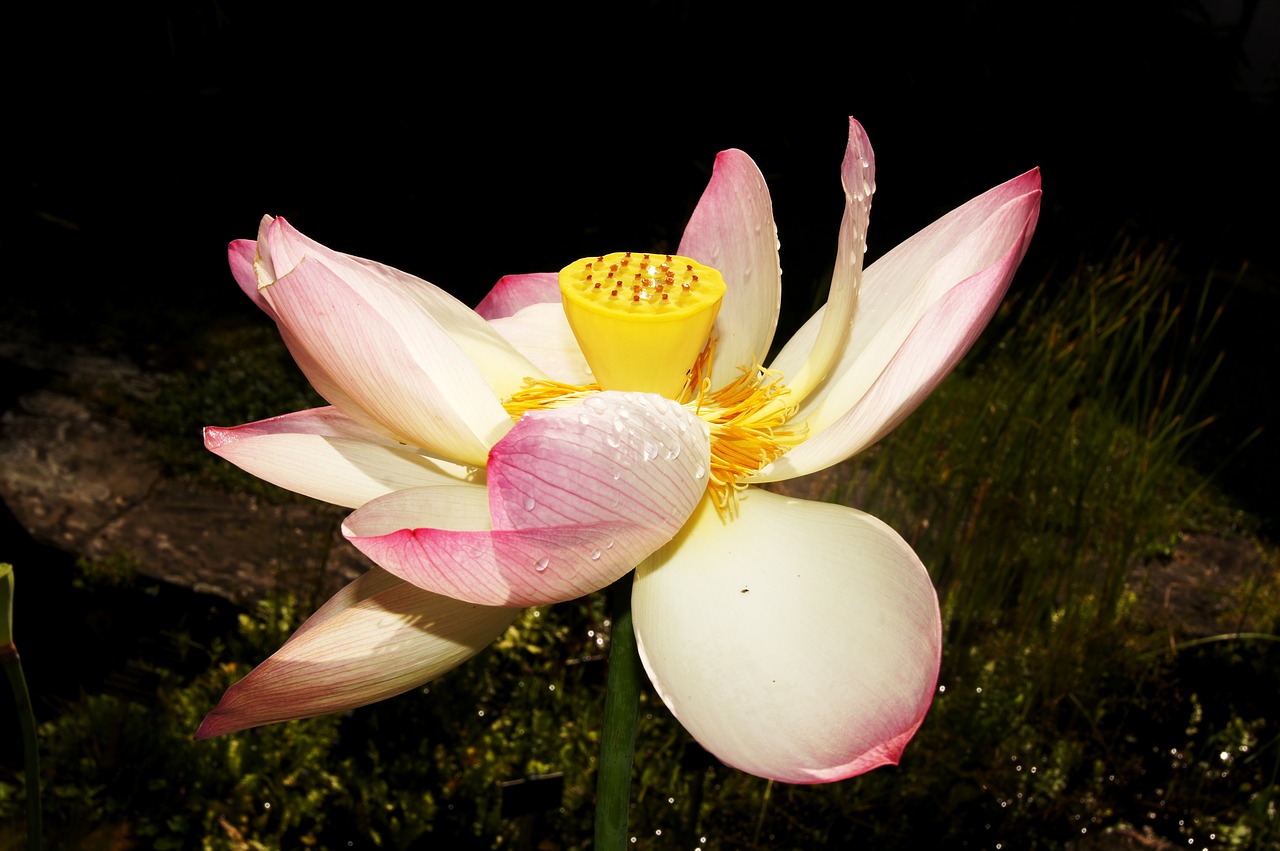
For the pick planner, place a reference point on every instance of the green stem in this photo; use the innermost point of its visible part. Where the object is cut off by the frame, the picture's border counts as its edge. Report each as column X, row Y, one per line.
column 26, row 718
column 621, row 708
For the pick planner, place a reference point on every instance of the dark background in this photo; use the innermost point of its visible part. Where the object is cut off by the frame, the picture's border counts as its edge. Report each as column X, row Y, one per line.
column 462, row 142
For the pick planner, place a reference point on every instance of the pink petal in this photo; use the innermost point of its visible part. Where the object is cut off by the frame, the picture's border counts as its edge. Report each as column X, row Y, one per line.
column 376, row 638
column 732, row 229
column 577, row 496
column 503, row 368
column 901, row 347
column 324, row 454
column 373, row 354
column 800, row 641
column 240, row 257
column 515, row 292
column 932, row 349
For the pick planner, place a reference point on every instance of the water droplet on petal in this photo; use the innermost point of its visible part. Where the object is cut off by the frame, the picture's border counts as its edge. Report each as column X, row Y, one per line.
column 612, row 441
column 541, row 564
column 584, row 419
column 699, row 472
column 529, row 503
column 609, row 545
column 595, row 554
column 650, row 450
column 674, row 452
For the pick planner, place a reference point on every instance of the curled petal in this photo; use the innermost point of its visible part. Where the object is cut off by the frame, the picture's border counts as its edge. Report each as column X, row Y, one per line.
column 376, row 638
column 513, row 293
column 323, row 454
column 242, row 255
column 576, row 497
column 799, row 642
column 732, row 229
column 858, row 176
column 542, row 334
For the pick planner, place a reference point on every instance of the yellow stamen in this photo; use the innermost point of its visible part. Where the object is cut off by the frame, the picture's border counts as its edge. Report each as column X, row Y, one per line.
column 747, row 419
column 641, row 319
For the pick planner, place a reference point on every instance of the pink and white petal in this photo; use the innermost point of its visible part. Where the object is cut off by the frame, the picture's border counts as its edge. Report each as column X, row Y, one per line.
column 800, row 641
column 241, row 255
column 910, row 261
column 858, row 177
column 542, row 334
column 326, row 455
column 893, row 278
column 369, row 351
column 732, row 230
column 882, row 377
column 502, row 367
column 376, row 638
column 576, row 497
column 930, row 352
column 513, row 293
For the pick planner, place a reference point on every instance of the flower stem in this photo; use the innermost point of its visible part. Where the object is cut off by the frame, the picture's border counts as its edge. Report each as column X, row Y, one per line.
column 621, row 708
column 26, row 718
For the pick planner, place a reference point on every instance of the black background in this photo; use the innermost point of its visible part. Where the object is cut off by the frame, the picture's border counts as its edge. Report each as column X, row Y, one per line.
column 462, row 142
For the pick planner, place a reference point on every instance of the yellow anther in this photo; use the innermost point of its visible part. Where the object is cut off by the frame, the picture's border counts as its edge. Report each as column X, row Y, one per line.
column 641, row 319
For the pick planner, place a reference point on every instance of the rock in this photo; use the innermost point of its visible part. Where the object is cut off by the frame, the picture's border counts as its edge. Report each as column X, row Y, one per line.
column 86, row 483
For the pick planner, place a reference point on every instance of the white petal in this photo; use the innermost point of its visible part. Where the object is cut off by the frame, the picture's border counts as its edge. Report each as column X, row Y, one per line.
column 323, row 454
column 542, row 334
column 800, row 641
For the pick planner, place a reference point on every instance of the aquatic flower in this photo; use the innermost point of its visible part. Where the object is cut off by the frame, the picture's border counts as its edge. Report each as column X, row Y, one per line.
column 541, row 447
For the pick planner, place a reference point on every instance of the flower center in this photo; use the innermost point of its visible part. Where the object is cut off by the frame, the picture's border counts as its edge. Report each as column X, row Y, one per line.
column 643, row 323
column 641, row 319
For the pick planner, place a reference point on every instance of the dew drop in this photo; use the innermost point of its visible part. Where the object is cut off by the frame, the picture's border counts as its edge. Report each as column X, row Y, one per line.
column 674, row 452
column 529, row 503
column 624, row 413
column 617, row 474
column 609, row 545
column 699, row 472
column 595, row 554
column 584, row 419
column 541, row 564
column 612, row 441
column 650, row 450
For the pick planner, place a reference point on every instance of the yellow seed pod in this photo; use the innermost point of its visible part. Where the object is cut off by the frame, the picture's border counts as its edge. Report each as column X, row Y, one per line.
column 641, row 319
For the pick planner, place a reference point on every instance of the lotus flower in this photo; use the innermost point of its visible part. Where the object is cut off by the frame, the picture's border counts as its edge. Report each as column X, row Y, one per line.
column 543, row 446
